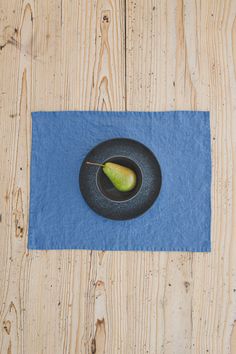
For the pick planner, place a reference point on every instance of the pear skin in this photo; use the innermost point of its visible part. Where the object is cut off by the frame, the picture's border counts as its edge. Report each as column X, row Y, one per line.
column 123, row 178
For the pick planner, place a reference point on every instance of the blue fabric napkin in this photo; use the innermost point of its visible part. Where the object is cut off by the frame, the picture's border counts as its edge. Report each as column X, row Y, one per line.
column 180, row 218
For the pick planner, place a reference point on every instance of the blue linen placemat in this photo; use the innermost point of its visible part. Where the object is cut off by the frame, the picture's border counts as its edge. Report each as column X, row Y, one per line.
column 180, row 218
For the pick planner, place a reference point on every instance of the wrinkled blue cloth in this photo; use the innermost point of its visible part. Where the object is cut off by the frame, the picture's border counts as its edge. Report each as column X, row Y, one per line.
column 180, row 218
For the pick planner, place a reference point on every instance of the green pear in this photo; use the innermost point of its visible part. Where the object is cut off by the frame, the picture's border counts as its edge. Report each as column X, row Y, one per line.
column 123, row 178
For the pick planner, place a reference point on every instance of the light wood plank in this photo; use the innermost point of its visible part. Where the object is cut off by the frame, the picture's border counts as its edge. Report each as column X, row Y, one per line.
column 67, row 55
column 180, row 56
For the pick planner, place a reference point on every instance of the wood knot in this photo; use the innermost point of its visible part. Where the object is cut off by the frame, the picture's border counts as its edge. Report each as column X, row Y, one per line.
column 100, row 284
column 187, row 285
column 7, row 326
column 105, row 19
column 7, row 37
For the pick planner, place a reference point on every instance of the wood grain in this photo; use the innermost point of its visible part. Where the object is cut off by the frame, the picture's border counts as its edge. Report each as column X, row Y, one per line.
column 180, row 56
column 116, row 55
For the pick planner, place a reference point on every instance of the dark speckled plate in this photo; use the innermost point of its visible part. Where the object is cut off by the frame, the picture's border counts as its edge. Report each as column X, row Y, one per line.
column 103, row 197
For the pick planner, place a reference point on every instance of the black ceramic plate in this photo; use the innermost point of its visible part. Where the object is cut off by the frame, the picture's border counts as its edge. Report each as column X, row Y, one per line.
column 103, row 197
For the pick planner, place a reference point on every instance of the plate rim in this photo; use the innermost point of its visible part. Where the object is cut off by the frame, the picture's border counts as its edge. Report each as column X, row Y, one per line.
column 121, row 202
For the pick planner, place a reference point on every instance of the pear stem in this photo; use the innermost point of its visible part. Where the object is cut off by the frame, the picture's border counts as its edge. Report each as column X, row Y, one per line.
column 94, row 163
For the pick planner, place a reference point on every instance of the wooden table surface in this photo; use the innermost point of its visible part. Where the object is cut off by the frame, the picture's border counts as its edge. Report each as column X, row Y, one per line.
column 116, row 55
